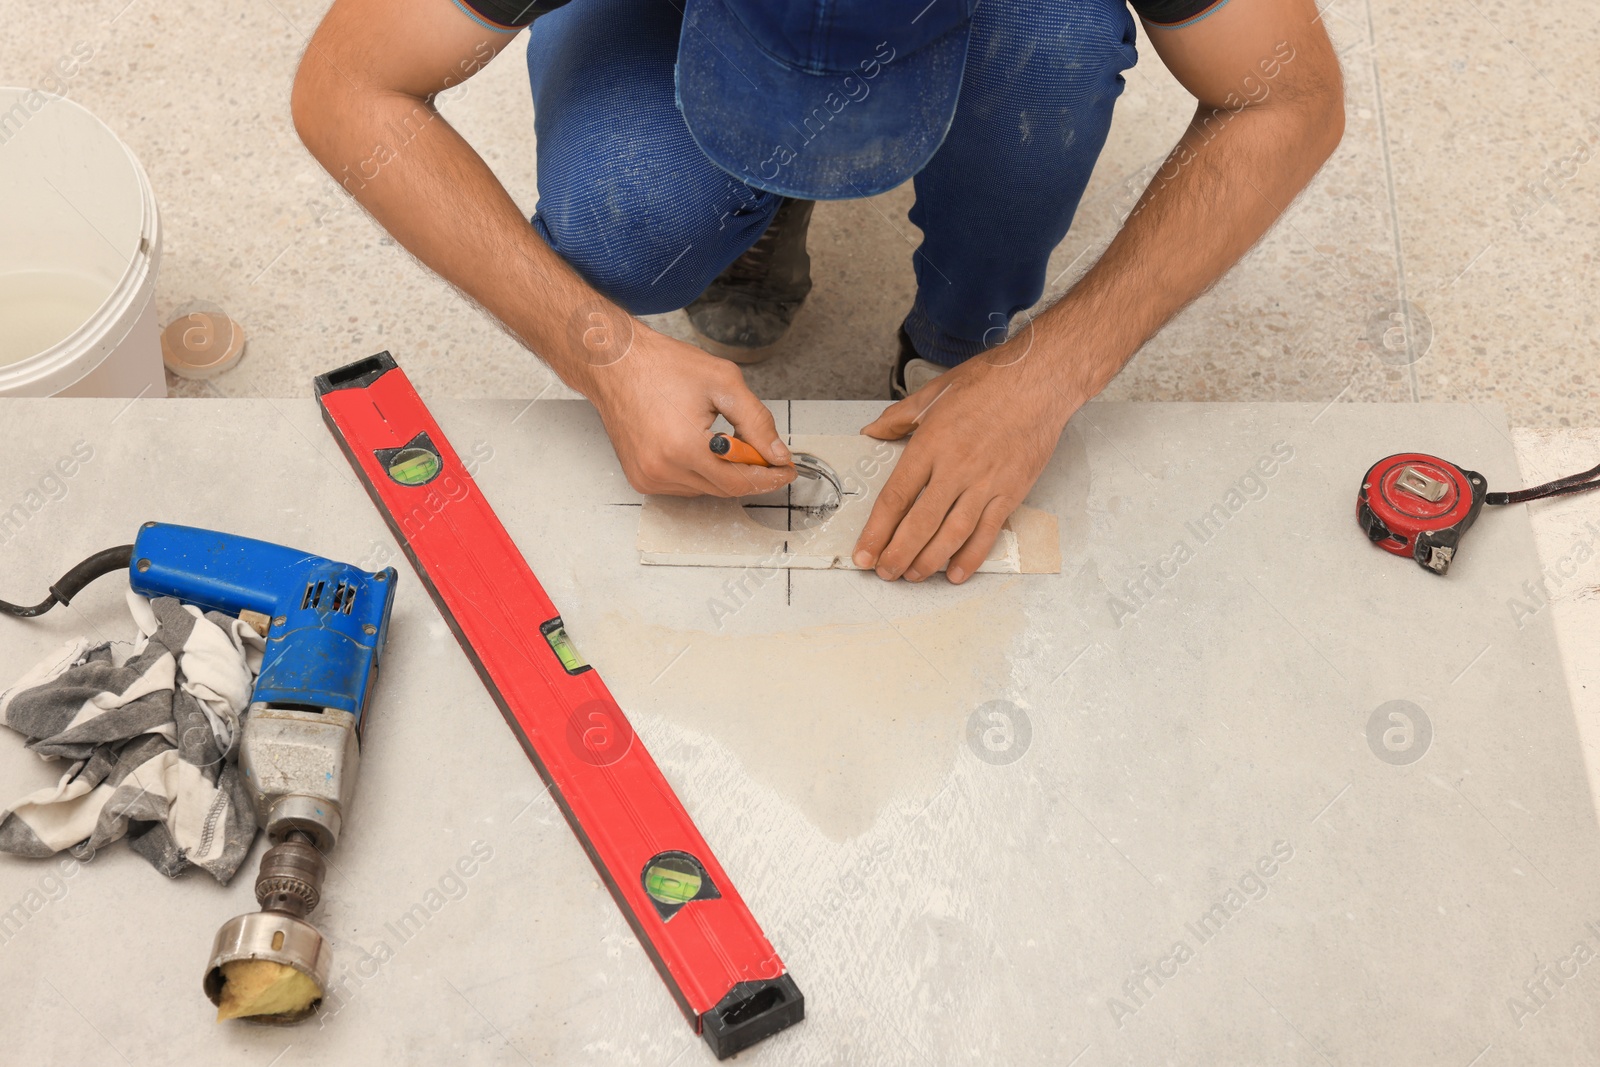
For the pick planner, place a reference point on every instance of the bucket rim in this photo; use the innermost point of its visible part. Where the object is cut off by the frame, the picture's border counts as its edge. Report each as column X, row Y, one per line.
column 53, row 369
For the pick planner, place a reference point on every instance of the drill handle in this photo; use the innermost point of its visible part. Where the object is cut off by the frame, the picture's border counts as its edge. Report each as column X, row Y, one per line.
column 328, row 620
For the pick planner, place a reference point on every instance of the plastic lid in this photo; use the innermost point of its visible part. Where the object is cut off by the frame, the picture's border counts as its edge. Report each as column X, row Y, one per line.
column 201, row 344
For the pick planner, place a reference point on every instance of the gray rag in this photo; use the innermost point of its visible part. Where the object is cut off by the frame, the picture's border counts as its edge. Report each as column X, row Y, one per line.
column 152, row 736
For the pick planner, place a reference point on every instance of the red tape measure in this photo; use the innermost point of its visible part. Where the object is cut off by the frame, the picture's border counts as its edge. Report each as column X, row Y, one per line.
column 1420, row 506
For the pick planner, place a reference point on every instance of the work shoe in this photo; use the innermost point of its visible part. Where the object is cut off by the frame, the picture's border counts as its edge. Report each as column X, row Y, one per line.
column 911, row 372
column 752, row 303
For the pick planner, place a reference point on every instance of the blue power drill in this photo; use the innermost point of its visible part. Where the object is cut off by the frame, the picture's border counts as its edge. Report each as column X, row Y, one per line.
column 325, row 624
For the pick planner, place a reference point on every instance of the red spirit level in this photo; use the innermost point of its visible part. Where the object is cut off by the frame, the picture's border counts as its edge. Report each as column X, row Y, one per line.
column 1420, row 506
column 705, row 943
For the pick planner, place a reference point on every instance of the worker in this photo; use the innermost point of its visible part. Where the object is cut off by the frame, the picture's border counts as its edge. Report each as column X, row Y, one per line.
column 681, row 144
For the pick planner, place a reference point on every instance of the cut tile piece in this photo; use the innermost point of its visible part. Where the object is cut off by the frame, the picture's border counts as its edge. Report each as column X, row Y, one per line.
column 714, row 532
column 1038, row 540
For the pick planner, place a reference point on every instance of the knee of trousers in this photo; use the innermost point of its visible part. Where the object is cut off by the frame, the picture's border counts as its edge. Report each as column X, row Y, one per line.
column 644, row 273
column 648, row 242
column 1034, row 92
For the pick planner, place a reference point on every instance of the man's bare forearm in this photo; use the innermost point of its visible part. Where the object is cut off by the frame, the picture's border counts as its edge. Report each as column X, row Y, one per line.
column 1217, row 193
column 404, row 163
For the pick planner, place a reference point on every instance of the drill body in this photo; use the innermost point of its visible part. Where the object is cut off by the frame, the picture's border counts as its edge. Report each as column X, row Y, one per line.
column 325, row 625
column 325, row 622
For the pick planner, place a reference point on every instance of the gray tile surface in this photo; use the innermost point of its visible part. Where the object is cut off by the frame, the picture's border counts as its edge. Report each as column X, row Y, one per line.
column 945, row 885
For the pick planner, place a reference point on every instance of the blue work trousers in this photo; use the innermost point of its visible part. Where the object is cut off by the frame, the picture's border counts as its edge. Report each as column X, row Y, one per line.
column 632, row 204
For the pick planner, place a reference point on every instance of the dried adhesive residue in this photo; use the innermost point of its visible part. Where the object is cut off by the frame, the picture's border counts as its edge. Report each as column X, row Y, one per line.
column 837, row 719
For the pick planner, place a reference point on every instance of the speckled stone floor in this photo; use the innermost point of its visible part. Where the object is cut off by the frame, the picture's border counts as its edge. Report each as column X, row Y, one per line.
column 1462, row 204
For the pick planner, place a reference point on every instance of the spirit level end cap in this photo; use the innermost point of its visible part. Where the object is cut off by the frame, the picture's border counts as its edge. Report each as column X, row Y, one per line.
column 750, row 1012
column 357, row 375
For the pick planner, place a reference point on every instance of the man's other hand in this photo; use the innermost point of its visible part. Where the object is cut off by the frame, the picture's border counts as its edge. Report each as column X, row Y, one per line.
column 980, row 436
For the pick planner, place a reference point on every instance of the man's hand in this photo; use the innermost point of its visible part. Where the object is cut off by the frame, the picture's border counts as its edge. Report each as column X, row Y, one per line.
column 982, row 433
column 1270, row 109
column 658, row 398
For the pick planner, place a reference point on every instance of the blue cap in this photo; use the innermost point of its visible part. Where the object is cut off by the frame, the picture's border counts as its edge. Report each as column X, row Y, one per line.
column 821, row 100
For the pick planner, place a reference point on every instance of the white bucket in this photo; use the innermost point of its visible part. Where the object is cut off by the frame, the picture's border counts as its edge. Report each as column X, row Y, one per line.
column 80, row 244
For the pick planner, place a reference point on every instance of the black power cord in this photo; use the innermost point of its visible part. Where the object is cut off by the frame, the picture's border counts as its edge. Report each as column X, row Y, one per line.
column 72, row 583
